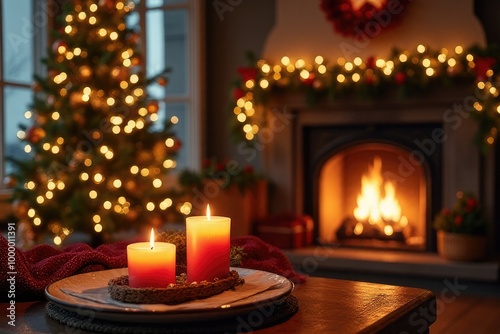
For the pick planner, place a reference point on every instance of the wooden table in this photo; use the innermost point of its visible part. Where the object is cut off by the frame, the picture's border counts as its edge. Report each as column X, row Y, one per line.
column 325, row 306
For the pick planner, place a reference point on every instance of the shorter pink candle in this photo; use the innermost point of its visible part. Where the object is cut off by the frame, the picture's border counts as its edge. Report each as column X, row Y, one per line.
column 150, row 264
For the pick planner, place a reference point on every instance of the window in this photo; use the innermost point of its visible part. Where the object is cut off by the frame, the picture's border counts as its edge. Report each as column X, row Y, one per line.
column 171, row 32
column 22, row 35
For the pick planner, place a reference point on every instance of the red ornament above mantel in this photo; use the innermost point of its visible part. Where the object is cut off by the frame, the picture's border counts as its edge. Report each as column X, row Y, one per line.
column 363, row 18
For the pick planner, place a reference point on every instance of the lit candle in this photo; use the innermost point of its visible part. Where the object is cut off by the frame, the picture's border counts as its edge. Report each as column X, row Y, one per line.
column 207, row 247
column 151, row 264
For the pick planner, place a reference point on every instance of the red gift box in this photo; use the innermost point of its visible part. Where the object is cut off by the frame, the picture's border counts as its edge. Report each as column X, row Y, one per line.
column 308, row 224
column 285, row 230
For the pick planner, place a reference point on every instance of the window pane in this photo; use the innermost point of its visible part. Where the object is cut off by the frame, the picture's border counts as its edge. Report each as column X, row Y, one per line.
column 180, row 129
column 17, row 101
column 18, row 32
column 158, row 3
column 166, row 48
column 133, row 19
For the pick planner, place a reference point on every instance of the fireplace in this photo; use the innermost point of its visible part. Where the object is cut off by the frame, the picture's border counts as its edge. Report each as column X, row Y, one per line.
column 316, row 165
column 371, row 185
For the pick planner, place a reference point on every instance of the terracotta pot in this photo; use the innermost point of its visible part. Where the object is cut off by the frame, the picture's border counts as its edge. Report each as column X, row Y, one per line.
column 461, row 247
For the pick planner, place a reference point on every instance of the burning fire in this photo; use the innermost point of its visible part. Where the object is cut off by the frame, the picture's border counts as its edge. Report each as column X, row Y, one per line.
column 372, row 207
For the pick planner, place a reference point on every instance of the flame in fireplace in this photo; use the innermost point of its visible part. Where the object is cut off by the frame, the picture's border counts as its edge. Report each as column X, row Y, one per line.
column 377, row 207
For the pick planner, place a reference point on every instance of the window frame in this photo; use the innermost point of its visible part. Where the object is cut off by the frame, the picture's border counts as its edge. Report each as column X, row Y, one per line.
column 39, row 51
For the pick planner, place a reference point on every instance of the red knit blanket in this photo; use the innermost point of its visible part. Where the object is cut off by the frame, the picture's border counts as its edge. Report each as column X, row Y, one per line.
column 42, row 265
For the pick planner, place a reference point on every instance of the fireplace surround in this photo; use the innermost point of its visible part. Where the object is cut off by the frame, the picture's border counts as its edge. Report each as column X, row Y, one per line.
column 294, row 157
column 373, row 185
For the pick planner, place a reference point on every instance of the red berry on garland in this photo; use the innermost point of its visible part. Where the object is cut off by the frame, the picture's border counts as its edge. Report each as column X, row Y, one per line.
column 370, row 62
column 483, row 64
column 247, row 73
column 400, row 78
column 458, row 220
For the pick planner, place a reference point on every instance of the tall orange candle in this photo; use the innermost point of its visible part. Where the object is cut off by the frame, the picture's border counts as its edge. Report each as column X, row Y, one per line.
column 151, row 264
column 207, row 247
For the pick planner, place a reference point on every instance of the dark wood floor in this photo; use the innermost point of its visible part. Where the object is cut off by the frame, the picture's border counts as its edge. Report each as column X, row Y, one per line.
column 467, row 314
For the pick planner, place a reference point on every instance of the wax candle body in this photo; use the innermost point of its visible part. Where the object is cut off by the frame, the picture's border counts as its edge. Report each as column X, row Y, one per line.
column 207, row 247
column 151, row 267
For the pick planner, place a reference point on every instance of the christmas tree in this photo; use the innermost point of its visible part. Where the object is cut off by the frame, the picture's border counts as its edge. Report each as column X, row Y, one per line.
column 98, row 160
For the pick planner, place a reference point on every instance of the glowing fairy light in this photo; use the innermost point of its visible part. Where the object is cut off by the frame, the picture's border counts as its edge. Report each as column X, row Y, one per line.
column 31, row 213
column 157, row 183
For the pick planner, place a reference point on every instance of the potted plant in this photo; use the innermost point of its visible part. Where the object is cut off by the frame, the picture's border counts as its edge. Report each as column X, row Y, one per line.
column 461, row 231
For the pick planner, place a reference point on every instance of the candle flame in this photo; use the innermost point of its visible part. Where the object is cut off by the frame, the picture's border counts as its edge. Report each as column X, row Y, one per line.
column 152, row 239
column 208, row 211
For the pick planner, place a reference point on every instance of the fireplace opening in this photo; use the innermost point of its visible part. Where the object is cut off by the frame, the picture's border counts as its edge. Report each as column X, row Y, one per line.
column 371, row 204
column 372, row 186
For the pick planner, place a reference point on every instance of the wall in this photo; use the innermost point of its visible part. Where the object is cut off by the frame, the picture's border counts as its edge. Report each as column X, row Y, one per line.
column 233, row 27
column 302, row 31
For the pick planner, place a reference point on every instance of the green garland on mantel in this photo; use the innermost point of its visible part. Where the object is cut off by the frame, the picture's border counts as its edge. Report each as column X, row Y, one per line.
column 409, row 72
